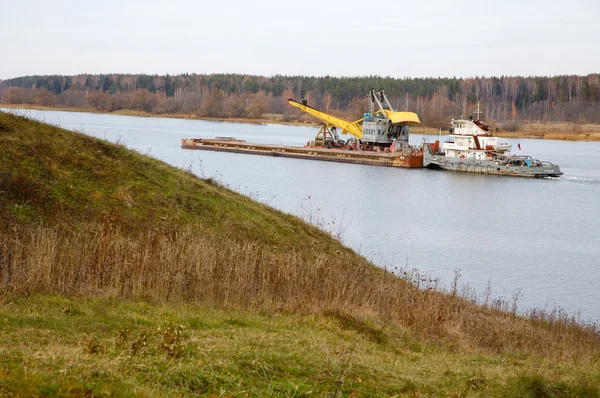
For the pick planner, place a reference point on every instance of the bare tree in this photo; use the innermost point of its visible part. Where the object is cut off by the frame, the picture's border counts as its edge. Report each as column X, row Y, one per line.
column 213, row 106
column 327, row 101
column 71, row 97
column 236, row 104
column 13, row 95
column 43, row 96
column 258, row 104
column 98, row 100
column 144, row 100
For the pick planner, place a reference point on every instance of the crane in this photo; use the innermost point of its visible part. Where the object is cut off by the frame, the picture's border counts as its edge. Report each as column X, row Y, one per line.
column 353, row 128
column 375, row 129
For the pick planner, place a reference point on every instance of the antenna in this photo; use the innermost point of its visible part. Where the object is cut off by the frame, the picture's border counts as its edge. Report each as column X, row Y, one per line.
column 478, row 111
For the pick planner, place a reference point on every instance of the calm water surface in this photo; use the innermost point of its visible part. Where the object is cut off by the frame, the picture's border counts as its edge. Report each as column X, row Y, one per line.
column 541, row 237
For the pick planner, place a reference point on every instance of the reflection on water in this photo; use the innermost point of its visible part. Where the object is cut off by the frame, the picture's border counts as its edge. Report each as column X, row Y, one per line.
column 540, row 236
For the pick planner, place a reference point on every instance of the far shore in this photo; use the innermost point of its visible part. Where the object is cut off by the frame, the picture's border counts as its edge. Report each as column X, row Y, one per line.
column 534, row 130
column 273, row 119
column 540, row 131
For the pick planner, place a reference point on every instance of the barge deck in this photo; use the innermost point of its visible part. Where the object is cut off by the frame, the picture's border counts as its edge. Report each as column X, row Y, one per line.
column 372, row 158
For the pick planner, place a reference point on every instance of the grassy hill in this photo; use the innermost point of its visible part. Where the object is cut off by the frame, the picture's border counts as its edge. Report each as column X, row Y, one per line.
column 121, row 275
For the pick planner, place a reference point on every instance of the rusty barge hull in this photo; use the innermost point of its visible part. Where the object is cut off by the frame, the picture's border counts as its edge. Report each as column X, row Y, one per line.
column 371, row 158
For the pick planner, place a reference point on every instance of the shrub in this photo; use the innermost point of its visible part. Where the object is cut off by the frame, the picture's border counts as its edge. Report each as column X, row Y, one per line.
column 511, row 126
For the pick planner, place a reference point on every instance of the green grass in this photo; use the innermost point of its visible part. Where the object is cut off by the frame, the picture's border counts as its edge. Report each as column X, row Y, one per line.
column 58, row 176
column 53, row 346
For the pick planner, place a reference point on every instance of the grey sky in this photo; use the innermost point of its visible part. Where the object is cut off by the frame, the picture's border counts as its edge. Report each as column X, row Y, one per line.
column 395, row 38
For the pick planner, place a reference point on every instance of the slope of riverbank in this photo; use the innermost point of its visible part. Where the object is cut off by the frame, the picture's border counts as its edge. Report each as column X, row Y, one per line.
column 105, row 252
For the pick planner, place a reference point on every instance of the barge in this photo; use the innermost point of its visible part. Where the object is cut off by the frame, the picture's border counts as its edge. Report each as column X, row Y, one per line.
column 404, row 159
column 379, row 138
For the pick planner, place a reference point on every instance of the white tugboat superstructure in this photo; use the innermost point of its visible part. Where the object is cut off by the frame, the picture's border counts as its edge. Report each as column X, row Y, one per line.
column 472, row 148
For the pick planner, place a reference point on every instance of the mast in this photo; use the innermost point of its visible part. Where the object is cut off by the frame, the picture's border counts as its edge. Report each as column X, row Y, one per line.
column 478, row 111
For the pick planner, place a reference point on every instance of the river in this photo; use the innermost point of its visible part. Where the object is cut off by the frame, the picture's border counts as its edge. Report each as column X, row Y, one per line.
column 535, row 239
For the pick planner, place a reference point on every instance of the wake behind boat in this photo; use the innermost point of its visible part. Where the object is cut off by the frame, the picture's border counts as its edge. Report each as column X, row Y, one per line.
column 472, row 148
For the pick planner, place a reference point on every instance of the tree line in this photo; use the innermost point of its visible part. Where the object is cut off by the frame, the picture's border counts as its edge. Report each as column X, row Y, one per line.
column 567, row 98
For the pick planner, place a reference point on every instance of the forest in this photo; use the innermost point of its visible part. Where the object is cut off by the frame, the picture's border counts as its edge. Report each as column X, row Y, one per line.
column 556, row 99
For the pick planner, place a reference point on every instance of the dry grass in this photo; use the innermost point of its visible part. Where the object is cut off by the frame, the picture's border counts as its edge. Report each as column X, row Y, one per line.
column 99, row 260
column 84, row 218
column 49, row 108
column 557, row 131
column 56, row 346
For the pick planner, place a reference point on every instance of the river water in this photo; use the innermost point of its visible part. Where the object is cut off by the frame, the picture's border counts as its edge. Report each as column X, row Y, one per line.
column 536, row 239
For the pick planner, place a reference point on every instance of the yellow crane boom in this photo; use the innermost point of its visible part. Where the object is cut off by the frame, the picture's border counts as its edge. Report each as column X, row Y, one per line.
column 402, row 117
column 347, row 127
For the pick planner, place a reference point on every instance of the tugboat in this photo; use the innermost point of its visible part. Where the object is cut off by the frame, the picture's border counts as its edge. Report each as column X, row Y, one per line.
column 471, row 148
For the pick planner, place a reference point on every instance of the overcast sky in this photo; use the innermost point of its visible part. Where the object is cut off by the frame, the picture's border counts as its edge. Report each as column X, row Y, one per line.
column 339, row 38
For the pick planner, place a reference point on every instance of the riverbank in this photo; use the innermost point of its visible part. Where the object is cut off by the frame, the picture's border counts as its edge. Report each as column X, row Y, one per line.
column 545, row 131
column 122, row 275
column 276, row 119
column 540, row 131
